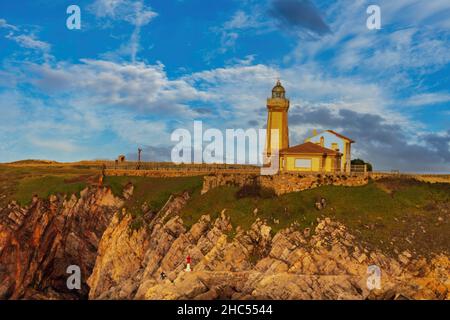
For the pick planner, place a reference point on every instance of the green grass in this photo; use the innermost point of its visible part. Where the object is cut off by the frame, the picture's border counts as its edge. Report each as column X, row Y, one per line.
column 21, row 183
column 43, row 187
column 153, row 191
column 374, row 213
column 294, row 207
column 390, row 214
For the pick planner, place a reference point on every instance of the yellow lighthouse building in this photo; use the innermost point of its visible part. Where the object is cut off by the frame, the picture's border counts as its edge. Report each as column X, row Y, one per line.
column 277, row 118
column 311, row 156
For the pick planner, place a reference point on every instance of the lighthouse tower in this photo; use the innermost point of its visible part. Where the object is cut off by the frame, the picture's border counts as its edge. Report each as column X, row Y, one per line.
column 277, row 118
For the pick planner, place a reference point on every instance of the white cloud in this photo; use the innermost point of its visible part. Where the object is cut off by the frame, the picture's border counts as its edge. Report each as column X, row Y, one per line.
column 56, row 145
column 66, row 129
column 425, row 99
column 29, row 42
column 255, row 20
column 236, row 92
column 4, row 24
column 111, row 96
column 228, row 41
column 243, row 20
column 412, row 36
column 106, row 8
column 243, row 89
column 26, row 39
column 139, row 132
column 137, row 102
column 415, row 12
column 134, row 12
column 138, row 86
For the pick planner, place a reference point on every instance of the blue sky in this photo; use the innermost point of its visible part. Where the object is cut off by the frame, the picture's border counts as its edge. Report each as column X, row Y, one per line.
column 137, row 70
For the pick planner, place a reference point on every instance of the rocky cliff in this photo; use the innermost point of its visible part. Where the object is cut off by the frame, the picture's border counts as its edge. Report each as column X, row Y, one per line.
column 325, row 263
column 38, row 242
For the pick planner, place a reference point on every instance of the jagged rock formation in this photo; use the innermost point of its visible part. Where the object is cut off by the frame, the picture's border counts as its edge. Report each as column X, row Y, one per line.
column 39, row 242
column 293, row 264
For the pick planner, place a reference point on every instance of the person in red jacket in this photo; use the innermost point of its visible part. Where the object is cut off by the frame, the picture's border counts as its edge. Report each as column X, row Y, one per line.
column 188, row 264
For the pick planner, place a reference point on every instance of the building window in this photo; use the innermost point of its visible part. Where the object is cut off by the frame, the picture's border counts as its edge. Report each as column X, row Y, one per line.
column 303, row 163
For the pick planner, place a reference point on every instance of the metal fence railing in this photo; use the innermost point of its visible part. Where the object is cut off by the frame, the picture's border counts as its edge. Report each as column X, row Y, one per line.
column 165, row 166
column 358, row 168
column 209, row 168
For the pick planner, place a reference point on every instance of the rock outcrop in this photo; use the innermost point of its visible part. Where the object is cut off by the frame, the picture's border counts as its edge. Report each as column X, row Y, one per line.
column 39, row 242
column 293, row 264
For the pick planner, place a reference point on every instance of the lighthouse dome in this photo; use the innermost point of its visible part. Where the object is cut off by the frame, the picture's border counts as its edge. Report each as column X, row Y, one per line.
column 278, row 91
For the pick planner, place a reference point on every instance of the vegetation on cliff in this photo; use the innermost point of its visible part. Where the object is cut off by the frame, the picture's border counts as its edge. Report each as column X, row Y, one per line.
column 21, row 183
column 249, row 233
column 150, row 194
column 392, row 214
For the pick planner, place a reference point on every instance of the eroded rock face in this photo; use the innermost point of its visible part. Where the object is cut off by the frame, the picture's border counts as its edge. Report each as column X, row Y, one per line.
column 39, row 242
column 329, row 264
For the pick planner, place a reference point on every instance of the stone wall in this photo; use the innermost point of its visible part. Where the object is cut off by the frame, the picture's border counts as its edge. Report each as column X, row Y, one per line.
column 282, row 183
column 185, row 172
column 153, row 173
column 431, row 178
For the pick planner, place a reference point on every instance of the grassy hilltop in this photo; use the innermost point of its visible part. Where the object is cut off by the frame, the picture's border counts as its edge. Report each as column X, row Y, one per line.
column 392, row 214
column 388, row 214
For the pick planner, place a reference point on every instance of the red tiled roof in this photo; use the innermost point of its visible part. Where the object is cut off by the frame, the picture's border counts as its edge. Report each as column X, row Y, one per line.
column 308, row 147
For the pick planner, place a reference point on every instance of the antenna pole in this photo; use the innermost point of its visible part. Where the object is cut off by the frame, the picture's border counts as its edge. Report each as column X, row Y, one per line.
column 139, row 158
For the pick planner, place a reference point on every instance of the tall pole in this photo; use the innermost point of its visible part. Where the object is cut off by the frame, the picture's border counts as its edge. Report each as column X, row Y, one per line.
column 139, row 158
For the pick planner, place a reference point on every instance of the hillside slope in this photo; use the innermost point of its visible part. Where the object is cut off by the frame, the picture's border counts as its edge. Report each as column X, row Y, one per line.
column 245, row 243
column 324, row 263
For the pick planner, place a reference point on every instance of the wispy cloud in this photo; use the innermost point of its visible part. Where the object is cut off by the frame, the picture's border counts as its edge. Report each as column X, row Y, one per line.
column 26, row 39
column 134, row 12
column 4, row 24
column 253, row 19
column 64, row 146
column 29, row 41
column 139, row 86
column 427, row 99
column 339, row 76
column 242, row 20
column 388, row 145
